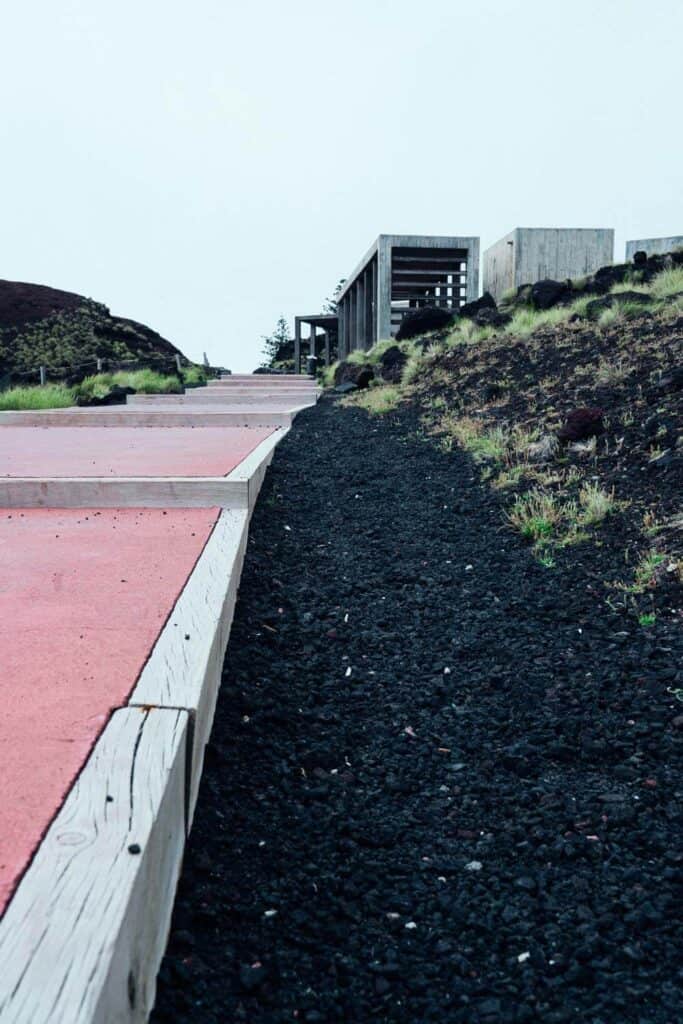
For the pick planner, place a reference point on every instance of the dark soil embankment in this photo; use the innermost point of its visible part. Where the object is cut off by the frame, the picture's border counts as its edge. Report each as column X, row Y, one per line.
column 442, row 783
column 67, row 333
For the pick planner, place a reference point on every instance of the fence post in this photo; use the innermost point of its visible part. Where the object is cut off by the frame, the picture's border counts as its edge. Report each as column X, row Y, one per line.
column 42, row 376
column 99, row 366
column 178, row 363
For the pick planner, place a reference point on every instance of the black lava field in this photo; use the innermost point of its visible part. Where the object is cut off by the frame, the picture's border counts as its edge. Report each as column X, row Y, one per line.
column 443, row 783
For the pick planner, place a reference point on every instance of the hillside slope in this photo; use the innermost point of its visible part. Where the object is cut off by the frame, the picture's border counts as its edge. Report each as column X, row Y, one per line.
column 572, row 416
column 67, row 333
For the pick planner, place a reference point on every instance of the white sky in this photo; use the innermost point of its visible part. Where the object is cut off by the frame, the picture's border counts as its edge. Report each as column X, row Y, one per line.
column 205, row 166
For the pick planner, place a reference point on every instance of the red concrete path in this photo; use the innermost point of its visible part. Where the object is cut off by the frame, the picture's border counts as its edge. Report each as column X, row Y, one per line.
column 125, row 451
column 83, row 597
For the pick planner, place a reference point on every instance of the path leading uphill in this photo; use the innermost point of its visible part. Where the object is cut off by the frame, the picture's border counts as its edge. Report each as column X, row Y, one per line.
column 441, row 784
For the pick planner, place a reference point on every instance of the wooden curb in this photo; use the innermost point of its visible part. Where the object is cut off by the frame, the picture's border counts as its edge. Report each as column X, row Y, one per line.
column 83, row 936
column 182, row 415
column 184, row 668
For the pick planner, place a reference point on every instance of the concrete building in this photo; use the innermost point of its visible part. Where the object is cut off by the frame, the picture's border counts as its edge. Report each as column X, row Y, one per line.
column 528, row 255
column 327, row 340
column 403, row 272
column 653, row 246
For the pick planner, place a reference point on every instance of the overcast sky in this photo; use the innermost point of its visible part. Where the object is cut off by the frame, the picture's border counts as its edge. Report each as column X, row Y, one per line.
column 205, row 166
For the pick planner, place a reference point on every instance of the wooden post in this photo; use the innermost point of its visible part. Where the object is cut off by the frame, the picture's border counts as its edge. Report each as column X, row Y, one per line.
column 178, row 364
column 311, row 344
column 99, row 366
column 326, row 337
column 42, row 376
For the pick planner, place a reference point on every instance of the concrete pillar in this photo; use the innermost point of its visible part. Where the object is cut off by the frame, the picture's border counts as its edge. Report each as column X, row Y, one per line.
column 326, row 344
column 311, row 344
column 347, row 324
column 383, row 289
column 297, row 345
column 472, row 291
column 367, row 307
column 353, row 326
column 372, row 304
column 360, row 312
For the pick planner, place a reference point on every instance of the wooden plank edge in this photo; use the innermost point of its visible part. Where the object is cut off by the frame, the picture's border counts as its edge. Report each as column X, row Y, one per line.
column 184, row 668
column 123, row 492
column 83, row 936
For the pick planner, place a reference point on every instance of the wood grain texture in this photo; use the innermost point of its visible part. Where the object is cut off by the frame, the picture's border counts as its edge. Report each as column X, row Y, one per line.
column 83, row 936
column 189, row 415
column 184, row 668
column 252, row 469
column 123, row 492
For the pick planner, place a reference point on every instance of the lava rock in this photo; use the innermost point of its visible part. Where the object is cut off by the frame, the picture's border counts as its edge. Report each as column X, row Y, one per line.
column 359, row 374
column 391, row 364
column 426, row 318
column 547, row 293
column 115, row 396
column 606, row 277
column 597, row 306
column 470, row 309
column 581, row 424
column 491, row 318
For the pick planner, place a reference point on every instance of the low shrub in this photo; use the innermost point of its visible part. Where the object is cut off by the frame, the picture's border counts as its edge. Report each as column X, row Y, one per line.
column 48, row 396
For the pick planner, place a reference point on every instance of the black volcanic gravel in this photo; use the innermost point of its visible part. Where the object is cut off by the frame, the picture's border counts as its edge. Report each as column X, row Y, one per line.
column 442, row 782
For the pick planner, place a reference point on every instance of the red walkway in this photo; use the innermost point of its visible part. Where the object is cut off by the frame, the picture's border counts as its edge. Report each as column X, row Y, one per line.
column 125, row 451
column 83, row 597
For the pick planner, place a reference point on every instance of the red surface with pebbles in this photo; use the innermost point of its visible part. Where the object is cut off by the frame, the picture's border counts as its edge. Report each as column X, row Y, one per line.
column 125, row 451
column 83, row 597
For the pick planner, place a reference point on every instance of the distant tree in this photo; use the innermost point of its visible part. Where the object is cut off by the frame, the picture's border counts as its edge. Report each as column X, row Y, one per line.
column 330, row 304
column 273, row 342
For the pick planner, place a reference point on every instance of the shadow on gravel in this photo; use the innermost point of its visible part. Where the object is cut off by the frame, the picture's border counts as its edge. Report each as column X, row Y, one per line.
column 441, row 784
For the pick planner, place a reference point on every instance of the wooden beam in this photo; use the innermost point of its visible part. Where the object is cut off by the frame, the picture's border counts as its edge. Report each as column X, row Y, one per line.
column 83, row 936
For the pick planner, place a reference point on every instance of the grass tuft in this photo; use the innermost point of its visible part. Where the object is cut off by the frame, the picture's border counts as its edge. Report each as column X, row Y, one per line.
column 376, row 401
column 49, row 396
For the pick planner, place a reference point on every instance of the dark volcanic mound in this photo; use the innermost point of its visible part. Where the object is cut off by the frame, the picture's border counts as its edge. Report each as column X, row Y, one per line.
column 21, row 303
column 67, row 333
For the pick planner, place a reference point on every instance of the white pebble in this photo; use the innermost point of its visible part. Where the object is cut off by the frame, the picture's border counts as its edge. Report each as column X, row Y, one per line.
column 522, row 957
column 348, row 671
column 411, row 925
column 469, row 568
column 270, row 913
column 474, row 865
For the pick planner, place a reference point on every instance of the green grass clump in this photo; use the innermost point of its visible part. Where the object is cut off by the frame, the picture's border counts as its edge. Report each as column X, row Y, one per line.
column 621, row 311
column 537, row 515
column 647, row 620
column 146, row 382
column 667, row 283
column 193, row 376
column 595, row 505
column 527, row 320
column 48, row 396
column 377, row 401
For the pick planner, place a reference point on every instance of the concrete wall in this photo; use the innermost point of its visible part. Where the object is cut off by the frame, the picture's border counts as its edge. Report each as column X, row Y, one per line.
column 653, row 246
column 364, row 303
column 527, row 255
column 499, row 266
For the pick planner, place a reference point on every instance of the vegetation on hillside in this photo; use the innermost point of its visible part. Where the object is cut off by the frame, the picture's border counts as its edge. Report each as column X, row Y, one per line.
column 98, row 387
column 506, row 395
column 67, row 334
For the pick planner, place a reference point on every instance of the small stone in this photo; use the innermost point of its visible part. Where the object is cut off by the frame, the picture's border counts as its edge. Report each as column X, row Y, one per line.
column 474, row 865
